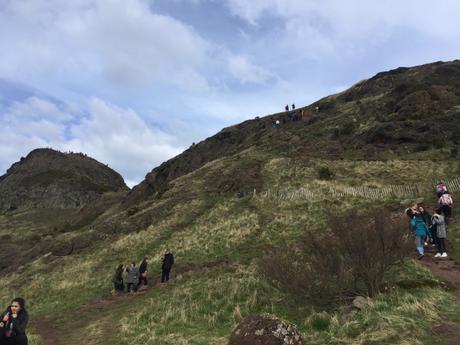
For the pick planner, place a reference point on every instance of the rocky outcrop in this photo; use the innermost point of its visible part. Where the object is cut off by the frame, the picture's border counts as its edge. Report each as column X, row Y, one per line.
column 51, row 179
column 265, row 330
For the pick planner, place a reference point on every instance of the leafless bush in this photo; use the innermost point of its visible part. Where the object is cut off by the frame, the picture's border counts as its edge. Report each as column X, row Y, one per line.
column 348, row 258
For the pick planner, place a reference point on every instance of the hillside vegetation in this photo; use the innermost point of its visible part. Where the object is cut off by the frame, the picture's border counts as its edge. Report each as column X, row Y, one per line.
column 221, row 204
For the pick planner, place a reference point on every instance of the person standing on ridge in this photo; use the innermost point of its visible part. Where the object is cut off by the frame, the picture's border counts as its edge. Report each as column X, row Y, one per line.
column 168, row 262
column 293, row 106
column 13, row 323
column 286, row 108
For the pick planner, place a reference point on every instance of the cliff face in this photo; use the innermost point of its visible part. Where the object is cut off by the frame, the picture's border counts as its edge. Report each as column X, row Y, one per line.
column 50, row 179
column 400, row 111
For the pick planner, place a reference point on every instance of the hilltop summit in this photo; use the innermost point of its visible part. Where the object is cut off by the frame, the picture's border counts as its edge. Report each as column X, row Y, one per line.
column 51, row 179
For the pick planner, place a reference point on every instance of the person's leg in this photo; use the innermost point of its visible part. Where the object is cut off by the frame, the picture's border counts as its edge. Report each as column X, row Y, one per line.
column 443, row 245
column 163, row 275
column 167, row 274
column 419, row 244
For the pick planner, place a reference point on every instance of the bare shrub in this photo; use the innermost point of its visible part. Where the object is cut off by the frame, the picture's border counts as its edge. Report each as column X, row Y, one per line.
column 324, row 173
column 351, row 257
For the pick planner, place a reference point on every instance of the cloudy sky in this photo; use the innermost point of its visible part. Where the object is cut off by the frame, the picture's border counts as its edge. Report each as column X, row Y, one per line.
column 132, row 83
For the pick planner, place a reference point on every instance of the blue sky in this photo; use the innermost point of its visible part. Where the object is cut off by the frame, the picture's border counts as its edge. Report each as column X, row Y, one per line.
column 132, row 83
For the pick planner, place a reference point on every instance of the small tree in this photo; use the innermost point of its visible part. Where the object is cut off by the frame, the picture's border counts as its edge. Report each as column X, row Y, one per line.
column 349, row 258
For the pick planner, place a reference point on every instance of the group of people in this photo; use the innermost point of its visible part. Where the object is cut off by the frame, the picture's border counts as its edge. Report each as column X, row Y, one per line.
column 135, row 276
column 431, row 229
column 13, row 323
column 287, row 107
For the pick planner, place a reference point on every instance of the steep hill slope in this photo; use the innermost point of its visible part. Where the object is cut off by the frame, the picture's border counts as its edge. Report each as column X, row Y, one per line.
column 221, row 203
column 396, row 112
column 50, row 179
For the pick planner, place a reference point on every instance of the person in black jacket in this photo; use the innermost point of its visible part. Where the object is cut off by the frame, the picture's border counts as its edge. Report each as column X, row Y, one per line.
column 143, row 272
column 168, row 261
column 117, row 279
column 13, row 323
column 427, row 219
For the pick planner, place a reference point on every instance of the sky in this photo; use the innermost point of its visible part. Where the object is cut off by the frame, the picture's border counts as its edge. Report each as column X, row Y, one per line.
column 132, row 83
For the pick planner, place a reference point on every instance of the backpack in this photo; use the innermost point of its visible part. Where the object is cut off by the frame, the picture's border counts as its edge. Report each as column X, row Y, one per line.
column 446, row 199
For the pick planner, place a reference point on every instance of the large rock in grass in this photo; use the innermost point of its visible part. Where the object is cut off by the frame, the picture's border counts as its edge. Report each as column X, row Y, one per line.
column 265, row 330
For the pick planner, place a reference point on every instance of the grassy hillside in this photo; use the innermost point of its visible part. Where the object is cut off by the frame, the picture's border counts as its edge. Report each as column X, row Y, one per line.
column 216, row 238
column 224, row 201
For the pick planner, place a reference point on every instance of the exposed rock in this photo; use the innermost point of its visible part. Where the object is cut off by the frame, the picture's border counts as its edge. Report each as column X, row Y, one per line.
column 361, row 302
column 265, row 330
column 51, row 179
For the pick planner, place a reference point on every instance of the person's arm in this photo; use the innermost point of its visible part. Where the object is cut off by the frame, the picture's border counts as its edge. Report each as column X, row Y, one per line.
column 20, row 324
column 412, row 223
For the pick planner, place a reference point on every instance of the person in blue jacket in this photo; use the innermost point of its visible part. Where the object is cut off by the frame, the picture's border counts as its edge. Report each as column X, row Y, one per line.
column 421, row 231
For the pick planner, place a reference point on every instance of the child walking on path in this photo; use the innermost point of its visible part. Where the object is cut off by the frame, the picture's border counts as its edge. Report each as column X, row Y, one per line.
column 421, row 231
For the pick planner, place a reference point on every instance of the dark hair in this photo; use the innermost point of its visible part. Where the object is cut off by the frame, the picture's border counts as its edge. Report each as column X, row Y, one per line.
column 409, row 212
column 120, row 267
column 21, row 301
column 439, row 211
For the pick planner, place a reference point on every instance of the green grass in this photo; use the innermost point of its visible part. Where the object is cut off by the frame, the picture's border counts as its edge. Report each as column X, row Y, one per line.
column 215, row 238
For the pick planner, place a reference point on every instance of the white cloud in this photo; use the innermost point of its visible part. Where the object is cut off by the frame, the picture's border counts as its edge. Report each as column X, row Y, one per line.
column 327, row 27
column 116, row 41
column 246, row 72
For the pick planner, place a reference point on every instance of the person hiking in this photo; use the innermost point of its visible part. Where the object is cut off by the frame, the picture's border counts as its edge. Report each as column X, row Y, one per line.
column 117, row 279
column 13, row 323
column 132, row 278
column 167, row 263
column 293, row 106
column 441, row 188
column 143, row 272
column 421, row 231
column 427, row 219
column 445, row 202
column 286, row 108
column 441, row 233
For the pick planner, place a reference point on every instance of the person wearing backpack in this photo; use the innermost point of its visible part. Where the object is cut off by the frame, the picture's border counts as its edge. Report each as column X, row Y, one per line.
column 421, row 231
column 441, row 233
column 132, row 278
column 445, row 202
column 13, row 323
column 117, row 279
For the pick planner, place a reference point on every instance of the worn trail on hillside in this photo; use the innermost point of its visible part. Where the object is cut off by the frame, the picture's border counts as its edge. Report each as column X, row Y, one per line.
column 449, row 270
column 54, row 333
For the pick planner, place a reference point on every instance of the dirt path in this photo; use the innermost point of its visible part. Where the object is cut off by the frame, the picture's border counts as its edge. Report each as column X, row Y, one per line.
column 449, row 270
column 53, row 332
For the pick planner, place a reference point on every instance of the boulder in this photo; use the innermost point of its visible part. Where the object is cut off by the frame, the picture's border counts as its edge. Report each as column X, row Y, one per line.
column 361, row 302
column 265, row 330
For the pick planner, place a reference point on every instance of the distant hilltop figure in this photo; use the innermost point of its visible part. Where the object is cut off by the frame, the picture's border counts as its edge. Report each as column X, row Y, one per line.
column 293, row 106
column 286, row 107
